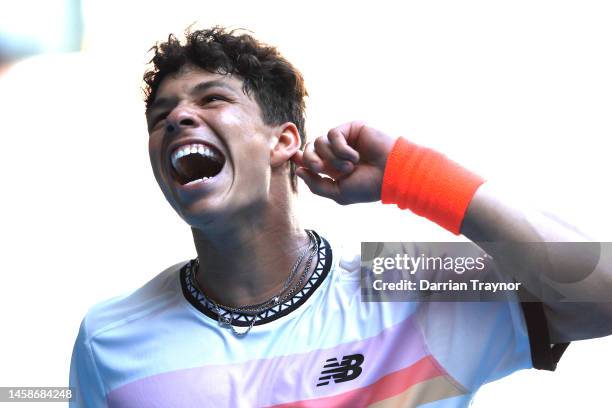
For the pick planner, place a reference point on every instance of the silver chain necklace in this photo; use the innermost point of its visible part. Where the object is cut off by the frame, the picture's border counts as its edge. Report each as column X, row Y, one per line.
column 254, row 310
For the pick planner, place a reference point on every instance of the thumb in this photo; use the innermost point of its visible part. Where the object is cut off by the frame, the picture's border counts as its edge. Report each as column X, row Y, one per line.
column 322, row 186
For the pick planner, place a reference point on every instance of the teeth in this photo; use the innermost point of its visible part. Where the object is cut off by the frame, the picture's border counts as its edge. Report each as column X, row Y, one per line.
column 198, row 181
column 195, row 148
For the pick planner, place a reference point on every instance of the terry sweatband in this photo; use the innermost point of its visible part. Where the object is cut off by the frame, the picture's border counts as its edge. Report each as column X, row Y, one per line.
column 429, row 184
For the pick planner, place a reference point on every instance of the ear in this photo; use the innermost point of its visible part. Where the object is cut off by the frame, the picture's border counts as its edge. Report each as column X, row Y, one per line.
column 284, row 144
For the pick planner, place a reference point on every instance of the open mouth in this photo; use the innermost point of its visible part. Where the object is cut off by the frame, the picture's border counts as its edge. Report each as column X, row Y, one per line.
column 196, row 162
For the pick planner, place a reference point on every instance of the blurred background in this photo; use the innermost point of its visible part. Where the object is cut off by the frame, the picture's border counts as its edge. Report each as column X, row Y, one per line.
column 520, row 92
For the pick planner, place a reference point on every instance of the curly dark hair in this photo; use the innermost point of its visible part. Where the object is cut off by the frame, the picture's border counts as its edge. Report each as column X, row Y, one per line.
column 277, row 86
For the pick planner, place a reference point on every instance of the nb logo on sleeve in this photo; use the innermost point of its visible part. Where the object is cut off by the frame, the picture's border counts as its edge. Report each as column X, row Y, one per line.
column 347, row 369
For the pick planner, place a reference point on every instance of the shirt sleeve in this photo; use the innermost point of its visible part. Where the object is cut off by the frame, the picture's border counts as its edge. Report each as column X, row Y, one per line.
column 85, row 379
column 476, row 342
column 479, row 342
column 544, row 354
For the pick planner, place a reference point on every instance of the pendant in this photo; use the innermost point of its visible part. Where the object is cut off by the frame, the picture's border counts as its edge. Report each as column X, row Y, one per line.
column 225, row 321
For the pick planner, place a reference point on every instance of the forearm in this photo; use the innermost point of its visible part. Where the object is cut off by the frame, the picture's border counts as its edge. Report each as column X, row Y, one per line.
column 364, row 164
column 493, row 215
column 575, row 271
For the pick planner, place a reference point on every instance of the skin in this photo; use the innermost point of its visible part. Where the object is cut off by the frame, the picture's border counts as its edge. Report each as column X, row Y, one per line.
column 491, row 217
column 244, row 226
column 245, row 230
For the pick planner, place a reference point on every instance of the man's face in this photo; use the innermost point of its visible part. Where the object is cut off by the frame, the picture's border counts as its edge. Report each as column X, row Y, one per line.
column 209, row 147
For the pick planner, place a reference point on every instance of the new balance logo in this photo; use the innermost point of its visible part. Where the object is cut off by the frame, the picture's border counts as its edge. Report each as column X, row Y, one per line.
column 346, row 370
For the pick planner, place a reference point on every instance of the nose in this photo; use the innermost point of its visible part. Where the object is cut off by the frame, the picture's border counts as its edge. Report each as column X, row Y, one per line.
column 181, row 118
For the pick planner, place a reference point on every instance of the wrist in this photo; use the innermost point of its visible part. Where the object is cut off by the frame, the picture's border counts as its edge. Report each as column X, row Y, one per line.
column 428, row 183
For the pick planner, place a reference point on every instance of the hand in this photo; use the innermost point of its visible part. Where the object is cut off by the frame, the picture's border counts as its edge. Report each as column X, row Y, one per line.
column 353, row 156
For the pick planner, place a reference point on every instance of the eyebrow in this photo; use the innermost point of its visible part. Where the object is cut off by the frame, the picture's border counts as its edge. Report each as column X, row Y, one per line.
column 201, row 87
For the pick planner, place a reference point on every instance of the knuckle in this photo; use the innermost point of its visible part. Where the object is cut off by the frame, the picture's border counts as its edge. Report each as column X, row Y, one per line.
column 319, row 142
column 340, row 165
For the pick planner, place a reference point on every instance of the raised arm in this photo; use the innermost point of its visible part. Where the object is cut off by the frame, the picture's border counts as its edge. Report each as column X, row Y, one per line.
column 355, row 163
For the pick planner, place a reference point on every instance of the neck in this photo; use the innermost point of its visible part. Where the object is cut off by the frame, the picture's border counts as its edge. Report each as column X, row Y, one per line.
column 249, row 262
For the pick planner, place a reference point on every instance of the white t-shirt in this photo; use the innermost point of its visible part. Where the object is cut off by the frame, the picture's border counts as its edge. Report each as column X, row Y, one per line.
column 162, row 346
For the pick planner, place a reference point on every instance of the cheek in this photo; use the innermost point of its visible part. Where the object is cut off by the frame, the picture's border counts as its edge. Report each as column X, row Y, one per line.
column 154, row 156
column 246, row 139
column 155, row 141
column 253, row 157
column 228, row 117
column 252, row 167
column 245, row 123
column 153, row 152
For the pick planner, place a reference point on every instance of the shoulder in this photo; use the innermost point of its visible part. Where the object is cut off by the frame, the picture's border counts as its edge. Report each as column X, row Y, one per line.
column 346, row 255
column 118, row 311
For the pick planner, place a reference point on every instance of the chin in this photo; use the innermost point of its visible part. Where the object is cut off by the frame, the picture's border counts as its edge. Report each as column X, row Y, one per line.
column 223, row 214
column 204, row 217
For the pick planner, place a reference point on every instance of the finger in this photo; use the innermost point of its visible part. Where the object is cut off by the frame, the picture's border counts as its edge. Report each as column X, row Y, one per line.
column 337, row 164
column 297, row 158
column 311, row 160
column 323, row 186
column 351, row 131
column 339, row 145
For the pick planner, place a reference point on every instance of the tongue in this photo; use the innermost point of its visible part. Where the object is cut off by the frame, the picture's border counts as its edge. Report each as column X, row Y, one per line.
column 195, row 167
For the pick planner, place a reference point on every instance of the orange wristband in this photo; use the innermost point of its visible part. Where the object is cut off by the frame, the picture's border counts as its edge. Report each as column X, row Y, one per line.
column 429, row 184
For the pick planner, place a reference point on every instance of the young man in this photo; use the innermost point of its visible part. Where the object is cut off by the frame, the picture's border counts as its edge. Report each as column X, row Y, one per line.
column 270, row 314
